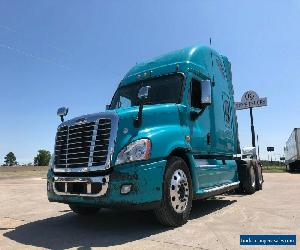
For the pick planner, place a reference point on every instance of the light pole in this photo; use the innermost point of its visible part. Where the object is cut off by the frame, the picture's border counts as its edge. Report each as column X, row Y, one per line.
column 252, row 128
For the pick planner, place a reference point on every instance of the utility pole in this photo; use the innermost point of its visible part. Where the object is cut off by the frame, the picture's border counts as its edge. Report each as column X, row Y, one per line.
column 252, row 128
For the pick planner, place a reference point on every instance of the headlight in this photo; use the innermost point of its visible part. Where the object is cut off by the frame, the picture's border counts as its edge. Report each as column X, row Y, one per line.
column 135, row 151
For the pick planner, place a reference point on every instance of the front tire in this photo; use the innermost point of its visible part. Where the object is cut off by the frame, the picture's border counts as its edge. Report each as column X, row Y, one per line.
column 84, row 210
column 177, row 194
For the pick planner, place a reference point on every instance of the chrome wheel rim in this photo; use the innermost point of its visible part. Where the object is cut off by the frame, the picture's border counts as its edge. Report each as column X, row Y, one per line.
column 179, row 191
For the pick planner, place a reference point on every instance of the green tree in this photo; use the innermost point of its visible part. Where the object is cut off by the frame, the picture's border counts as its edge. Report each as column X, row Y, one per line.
column 10, row 159
column 42, row 158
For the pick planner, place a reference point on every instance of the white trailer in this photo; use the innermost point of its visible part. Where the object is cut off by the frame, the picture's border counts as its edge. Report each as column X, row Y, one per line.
column 292, row 151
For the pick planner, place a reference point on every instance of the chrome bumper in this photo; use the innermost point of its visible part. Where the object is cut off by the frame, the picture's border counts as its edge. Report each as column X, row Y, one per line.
column 88, row 181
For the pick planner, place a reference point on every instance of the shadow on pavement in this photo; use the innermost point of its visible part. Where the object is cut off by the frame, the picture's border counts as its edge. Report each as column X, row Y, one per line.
column 108, row 228
column 295, row 172
column 205, row 207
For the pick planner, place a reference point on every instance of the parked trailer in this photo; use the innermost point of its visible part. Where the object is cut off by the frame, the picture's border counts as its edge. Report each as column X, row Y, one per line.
column 169, row 136
column 292, row 151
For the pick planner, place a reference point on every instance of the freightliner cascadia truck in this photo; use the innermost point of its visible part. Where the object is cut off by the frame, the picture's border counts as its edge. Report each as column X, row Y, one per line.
column 168, row 137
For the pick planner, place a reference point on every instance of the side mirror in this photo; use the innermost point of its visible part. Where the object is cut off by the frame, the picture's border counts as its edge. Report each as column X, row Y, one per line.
column 142, row 95
column 144, row 92
column 205, row 92
column 107, row 106
column 203, row 97
column 63, row 111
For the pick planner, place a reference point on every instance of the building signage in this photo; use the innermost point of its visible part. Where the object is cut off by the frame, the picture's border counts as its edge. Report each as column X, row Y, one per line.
column 250, row 99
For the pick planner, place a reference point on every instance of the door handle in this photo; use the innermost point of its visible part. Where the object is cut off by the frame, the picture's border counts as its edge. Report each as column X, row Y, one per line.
column 208, row 138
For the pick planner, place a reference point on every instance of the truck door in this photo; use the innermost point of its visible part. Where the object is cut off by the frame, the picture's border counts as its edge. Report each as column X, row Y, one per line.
column 200, row 134
column 199, row 121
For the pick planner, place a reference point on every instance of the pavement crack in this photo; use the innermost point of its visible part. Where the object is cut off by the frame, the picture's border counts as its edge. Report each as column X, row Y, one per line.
column 11, row 218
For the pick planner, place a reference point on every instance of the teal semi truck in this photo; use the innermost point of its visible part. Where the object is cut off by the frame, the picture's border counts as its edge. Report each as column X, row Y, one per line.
column 168, row 137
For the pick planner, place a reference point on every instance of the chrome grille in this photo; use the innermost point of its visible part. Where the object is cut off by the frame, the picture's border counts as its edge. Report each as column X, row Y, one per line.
column 101, row 142
column 82, row 145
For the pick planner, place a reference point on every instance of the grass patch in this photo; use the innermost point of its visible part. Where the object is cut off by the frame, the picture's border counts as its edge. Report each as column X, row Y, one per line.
column 274, row 169
column 23, row 172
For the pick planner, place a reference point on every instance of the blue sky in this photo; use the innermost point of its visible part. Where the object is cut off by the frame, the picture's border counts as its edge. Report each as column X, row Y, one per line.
column 74, row 53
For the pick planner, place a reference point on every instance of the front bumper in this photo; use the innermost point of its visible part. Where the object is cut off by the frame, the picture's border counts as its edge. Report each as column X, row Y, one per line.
column 146, row 180
column 86, row 186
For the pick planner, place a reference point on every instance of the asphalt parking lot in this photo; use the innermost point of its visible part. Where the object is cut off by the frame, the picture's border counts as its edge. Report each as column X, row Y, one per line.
column 28, row 220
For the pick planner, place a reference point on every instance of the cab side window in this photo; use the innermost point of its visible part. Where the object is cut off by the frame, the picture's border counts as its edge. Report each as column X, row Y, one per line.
column 195, row 94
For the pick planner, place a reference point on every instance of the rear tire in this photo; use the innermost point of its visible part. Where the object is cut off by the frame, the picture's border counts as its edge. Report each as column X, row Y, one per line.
column 250, row 183
column 258, row 177
column 177, row 194
column 84, row 210
column 290, row 168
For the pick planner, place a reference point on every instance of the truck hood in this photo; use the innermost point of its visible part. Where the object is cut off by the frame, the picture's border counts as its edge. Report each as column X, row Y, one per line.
column 155, row 119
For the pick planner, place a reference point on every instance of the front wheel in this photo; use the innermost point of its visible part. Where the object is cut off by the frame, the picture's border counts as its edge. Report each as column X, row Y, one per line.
column 84, row 210
column 177, row 195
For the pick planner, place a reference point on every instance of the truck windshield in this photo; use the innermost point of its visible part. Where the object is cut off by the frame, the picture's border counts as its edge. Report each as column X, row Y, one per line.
column 164, row 89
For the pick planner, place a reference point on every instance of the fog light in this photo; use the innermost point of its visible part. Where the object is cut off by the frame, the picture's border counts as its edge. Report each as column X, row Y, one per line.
column 125, row 189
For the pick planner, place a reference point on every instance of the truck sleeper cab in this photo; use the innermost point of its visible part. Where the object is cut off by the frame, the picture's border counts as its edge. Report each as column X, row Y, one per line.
column 168, row 137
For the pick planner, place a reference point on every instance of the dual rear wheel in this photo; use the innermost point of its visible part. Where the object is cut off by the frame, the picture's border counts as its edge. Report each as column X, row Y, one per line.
column 290, row 168
column 253, row 179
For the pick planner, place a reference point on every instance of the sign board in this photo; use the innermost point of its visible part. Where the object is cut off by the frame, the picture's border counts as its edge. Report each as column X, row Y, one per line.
column 282, row 158
column 270, row 149
column 250, row 99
